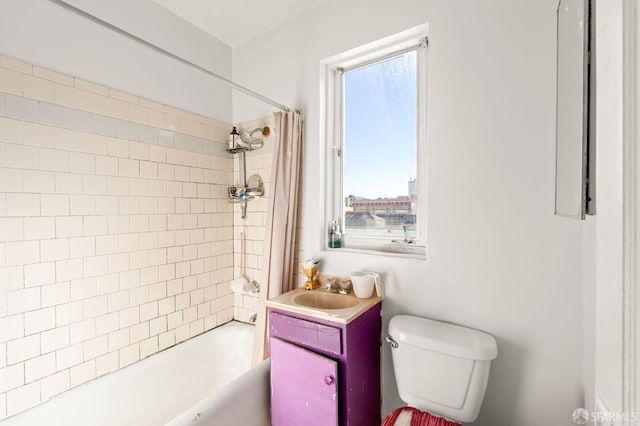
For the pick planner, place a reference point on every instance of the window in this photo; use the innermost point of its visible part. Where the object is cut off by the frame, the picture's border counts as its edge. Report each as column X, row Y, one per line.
column 376, row 146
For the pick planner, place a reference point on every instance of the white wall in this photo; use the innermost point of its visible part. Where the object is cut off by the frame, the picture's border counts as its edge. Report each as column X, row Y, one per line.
column 44, row 34
column 498, row 259
column 603, row 233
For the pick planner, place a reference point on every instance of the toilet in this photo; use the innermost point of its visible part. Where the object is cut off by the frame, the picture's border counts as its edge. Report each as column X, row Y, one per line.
column 440, row 368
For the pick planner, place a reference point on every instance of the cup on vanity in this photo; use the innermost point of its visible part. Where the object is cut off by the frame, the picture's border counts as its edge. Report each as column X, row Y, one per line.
column 364, row 282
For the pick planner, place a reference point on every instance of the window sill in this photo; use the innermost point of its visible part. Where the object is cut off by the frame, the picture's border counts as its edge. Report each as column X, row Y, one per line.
column 387, row 250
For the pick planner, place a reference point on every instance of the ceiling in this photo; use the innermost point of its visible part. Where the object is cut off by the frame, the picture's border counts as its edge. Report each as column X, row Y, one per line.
column 237, row 21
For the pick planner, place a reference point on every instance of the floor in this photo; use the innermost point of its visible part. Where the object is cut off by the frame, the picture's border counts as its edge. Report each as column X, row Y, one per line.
column 155, row 390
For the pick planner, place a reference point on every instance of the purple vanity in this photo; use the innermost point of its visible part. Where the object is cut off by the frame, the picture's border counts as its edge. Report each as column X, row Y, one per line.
column 325, row 363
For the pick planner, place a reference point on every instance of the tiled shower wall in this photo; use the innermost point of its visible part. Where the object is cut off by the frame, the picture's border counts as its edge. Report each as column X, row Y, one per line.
column 116, row 240
column 254, row 225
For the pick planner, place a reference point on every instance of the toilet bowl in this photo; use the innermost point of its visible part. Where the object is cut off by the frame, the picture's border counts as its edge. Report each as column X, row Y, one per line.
column 441, row 368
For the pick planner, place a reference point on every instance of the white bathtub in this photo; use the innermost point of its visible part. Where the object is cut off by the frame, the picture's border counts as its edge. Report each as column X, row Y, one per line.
column 171, row 387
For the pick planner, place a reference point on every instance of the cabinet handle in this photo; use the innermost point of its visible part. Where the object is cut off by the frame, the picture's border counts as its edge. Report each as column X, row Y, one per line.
column 328, row 380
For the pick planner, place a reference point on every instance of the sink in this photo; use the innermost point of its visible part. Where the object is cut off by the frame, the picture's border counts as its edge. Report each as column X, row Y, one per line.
column 325, row 300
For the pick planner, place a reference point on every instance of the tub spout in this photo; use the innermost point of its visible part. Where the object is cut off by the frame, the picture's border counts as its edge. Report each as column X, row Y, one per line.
column 252, row 318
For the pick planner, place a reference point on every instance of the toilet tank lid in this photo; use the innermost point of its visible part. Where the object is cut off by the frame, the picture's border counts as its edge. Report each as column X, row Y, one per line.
column 443, row 337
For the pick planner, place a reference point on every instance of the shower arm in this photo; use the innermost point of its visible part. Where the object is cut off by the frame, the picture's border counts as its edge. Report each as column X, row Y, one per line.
column 224, row 80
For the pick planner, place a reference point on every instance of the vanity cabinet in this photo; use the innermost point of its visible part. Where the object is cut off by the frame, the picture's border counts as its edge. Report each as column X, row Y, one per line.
column 325, row 373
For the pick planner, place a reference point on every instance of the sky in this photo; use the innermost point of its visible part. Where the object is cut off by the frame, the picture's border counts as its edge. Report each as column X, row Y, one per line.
column 380, row 128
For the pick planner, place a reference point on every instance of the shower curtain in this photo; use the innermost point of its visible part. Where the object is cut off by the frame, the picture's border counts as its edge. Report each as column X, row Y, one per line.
column 279, row 249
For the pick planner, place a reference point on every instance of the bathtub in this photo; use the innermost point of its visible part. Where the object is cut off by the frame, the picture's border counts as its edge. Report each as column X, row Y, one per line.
column 204, row 381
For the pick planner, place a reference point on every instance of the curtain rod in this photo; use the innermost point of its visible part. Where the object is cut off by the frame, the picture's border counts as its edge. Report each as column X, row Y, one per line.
column 152, row 46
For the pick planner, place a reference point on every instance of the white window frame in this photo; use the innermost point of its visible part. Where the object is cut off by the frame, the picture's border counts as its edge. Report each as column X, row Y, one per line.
column 332, row 135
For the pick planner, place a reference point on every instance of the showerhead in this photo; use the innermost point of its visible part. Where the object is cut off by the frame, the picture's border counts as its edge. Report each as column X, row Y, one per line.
column 247, row 137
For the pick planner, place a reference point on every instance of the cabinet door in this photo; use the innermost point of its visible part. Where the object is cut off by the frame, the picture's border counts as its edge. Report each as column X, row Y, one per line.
column 304, row 388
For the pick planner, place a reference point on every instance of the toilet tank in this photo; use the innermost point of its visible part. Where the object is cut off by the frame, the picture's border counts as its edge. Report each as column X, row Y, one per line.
column 441, row 368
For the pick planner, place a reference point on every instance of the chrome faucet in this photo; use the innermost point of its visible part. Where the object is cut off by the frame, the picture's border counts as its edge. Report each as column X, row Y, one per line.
column 337, row 285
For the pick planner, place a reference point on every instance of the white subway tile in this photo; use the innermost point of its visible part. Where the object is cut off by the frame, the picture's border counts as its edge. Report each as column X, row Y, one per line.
column 82, row 373
column 148, row 347
column 148, row 169
column 96, row 347
column 139, row 259
column 118, row 339
column 148, row 205
column 166, row 239
column 68, row 96
column 117, row 147
column 118, row 224
column 68, row 183
column 106, row 165
column 118, row 185
column 55, row 294
column 94, row 185
column 183, row 205
column 118, row 262
column 139, row 187
column 54, row 385
column 39, row 274
column 139, row 223
column 69, row 313
column 189, row 190
column 95, row 306
column 69, row 356
column 166, row 171
column 128, row 243
column 39, row 135
column 68, row 140
column 52, row 75
column 139, row 150
column 38, row 88
column 16, row 65
column 157, row 154
column 54, row 160
column 69, row 226
column 148, row 275
column 107, row 363
column 157, row 325
column 10, row 81
column 12, row 229
column 107, row 205
column 55, row 205
column 139, row 332
column 82, row 246
column 106, row 244
column 54, row 339
column 38, row 181
column 129, row 205
column 82, row 163
column 149, row 240
column 107, row 284
column 196, row 175
column 116, row 108
column 166, row 340
column 156, row 256
column 11, row 327
column 39, row 367
column 11, row 130
column 107, row 323
column 118, row 301
column 83, row 289
column 94, row 144
column 23, row 397
column 174, row 156
column 190, row 221
column 22, row 156
column 166, row 272
column 67, row 270
column 166, row 205
column 23, row 252
column 95, row 225
column 129, row 355
column 22, row 349
column 182, row 173
column 157, row 188
column 129, row 279
column 138, row 114
column 11, row 277
column 57, row 249
column 39, row 228
column 23, row 204
column 11, row 377
column 138, row 295
column 128, row 168
column 174, row 254
column 83, row 331
column 40, row 320
column 166, row 306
